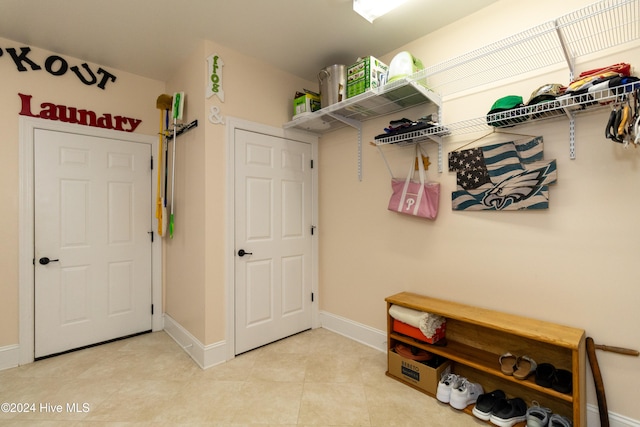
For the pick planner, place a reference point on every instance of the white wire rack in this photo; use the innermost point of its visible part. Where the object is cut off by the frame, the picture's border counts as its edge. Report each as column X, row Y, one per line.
column 391, row 98
column 600, row 26
column 529, row 50
column 566, row 106
column 597, row 27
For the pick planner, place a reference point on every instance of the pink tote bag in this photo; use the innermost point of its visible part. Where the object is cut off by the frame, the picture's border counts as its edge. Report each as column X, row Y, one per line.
column 417, row 198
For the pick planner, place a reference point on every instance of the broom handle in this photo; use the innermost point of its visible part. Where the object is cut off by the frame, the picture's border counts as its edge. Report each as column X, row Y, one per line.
column 173, row 179
column 166, row 155
column 603, row 410
column 159, row 187
column 173, row 165
column 620, row 350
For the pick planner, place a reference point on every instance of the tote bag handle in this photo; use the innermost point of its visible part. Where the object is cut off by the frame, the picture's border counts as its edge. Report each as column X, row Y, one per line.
column 408, row 181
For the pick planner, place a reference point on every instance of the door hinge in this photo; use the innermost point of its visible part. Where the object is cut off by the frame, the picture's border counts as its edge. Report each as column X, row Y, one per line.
column 313, row 229
column 151, row 309
column 151, row 234
column 151, row 162
column 311, row 296
column 311, row 163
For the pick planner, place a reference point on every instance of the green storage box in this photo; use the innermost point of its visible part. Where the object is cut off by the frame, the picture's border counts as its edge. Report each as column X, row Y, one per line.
column 366, row 74
column 306, row 102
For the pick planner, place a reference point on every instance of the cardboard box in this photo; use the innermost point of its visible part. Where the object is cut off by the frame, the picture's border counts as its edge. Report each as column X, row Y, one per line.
column 366, row 74
column 417, row 373
column 307, row 102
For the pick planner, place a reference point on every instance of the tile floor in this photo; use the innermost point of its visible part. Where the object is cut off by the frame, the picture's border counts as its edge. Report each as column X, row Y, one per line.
column 316, row 378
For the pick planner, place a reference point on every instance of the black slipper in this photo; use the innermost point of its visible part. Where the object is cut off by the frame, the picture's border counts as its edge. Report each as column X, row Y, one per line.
column 563, row 381
column 545, row 373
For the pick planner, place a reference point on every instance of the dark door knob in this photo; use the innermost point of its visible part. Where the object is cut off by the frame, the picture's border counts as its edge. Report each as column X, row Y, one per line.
column 242, row 252
column 45, row 260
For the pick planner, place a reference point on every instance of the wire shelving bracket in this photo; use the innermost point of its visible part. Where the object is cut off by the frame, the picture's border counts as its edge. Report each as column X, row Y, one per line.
column 358, row 126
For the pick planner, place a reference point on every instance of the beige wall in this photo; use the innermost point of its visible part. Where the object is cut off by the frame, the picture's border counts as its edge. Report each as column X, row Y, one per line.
column 185, row 256
column 575, row 263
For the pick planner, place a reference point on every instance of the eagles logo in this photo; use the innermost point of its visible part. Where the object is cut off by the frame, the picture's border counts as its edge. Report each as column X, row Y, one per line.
column 514, row 189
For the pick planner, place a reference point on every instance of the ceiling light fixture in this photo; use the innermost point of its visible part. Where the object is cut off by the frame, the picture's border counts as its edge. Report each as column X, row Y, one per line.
column 372, row 9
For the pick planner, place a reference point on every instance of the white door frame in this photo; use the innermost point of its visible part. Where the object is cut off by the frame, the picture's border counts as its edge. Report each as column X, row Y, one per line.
column 232, row 125
column 26, row 278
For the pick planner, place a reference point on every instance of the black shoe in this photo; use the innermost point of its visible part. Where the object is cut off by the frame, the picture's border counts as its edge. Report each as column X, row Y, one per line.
column 562, row 381
column 487, row 403
column 512, row 412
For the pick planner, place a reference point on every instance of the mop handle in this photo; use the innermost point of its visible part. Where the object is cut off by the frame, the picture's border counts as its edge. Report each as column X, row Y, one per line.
column 173, row 179
column 178, row 103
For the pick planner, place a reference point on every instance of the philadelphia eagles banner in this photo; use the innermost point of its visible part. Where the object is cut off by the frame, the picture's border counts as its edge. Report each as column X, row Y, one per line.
column 504, row 176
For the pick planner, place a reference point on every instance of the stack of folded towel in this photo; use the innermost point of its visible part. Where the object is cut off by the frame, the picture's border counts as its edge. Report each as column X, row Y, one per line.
column 428, row 323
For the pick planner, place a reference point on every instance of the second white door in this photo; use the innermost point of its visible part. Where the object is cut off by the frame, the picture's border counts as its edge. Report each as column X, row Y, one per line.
column 273, row 195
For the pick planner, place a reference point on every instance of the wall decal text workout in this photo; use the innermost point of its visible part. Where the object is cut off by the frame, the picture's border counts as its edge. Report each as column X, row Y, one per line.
column 58, row 66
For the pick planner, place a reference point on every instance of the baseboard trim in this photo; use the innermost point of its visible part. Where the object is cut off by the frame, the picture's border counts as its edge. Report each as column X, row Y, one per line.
column 615, row 420
column 9, row 356
column 204, row 356
column 377, row 339
column 364, row 334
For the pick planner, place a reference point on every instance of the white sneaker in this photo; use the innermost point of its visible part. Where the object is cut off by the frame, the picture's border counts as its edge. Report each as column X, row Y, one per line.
column 559, row 421
column 465, row 394
column 537, row 416
column 447, row 382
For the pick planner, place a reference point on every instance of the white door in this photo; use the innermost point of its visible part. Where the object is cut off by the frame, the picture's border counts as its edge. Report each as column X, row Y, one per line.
column 92, row 212
column 273, row 226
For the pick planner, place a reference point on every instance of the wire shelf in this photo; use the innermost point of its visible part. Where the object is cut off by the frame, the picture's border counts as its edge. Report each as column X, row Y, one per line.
column 529, row 50
column 371, row 104
column 563, row 107
column 600, row 26
column 412, row 137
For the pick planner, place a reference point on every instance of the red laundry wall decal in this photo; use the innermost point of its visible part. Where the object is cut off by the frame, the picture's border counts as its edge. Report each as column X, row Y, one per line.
column 62, row 113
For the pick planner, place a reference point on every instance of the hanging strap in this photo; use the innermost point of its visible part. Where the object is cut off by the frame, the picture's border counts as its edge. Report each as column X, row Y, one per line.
column 385, row 160
column 410, row 175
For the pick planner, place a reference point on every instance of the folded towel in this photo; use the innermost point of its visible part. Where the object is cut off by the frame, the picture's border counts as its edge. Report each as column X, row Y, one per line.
column 407, row 315
column 428, row 323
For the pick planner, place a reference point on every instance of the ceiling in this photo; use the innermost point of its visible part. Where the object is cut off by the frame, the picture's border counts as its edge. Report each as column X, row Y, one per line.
column 151, row 37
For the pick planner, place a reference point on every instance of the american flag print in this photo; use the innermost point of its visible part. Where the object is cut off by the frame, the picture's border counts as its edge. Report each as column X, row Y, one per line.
column 505, row 176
